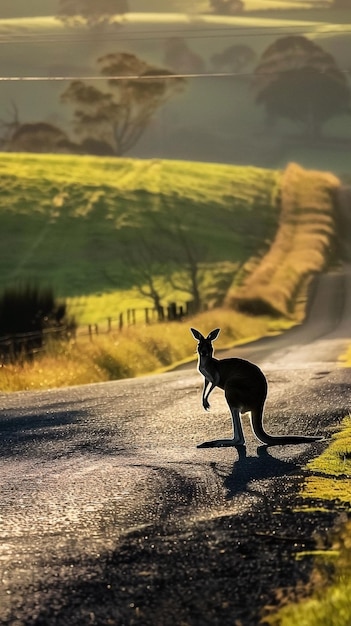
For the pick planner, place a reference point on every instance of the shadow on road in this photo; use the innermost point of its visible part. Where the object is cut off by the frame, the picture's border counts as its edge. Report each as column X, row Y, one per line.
column 248, row 469
column 54, row 433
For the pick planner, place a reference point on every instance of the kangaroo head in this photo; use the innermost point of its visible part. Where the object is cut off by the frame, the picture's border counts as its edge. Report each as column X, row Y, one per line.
column 205, row 347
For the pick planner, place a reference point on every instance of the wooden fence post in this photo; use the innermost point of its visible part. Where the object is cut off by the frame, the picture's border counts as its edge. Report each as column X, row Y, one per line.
column 160, row 313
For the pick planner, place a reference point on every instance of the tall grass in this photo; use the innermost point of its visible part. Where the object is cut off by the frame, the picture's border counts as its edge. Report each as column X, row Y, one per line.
column 302, row 245
column 133, row 352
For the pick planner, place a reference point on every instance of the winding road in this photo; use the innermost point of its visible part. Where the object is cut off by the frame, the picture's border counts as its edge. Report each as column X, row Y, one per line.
column 111, row 515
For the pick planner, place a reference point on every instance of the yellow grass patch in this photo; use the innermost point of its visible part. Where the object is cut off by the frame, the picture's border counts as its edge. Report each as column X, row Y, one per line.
column 331, row 471
column 345, row 359
column 330, row 481
column 133, row 352
column 300, row 248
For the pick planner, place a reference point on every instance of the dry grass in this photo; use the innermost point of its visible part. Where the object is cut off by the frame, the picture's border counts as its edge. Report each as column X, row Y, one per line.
column 301, row 247
column 133, row 352
column 345, row 359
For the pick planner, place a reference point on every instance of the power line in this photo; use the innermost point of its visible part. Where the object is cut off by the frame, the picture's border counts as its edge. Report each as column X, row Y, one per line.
column 37, row 38
column 146, row 78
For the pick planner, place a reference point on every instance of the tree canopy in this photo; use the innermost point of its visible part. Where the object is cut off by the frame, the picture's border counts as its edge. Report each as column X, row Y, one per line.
column 227, row 7
column 95, row 13
column 298, row 80
column 118, row 114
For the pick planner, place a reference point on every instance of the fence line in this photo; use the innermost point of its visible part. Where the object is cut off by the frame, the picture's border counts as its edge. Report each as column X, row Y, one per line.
column 133, row 316
column 130, row 317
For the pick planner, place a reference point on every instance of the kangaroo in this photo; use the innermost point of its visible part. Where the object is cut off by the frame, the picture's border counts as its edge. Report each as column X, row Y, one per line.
column 245, row 388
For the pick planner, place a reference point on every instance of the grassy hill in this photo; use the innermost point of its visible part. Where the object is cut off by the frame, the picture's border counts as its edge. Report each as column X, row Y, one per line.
column 78, row 223
column 82, row 226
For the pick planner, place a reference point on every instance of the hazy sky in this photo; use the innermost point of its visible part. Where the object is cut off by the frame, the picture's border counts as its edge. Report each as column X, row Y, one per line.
column 27, row 8
column 33, row 8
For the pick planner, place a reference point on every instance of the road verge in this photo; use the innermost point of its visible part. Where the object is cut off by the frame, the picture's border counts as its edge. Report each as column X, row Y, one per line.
column 327, row 487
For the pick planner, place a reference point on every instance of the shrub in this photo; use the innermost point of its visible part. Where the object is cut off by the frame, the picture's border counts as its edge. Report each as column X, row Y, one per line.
column 28, row 315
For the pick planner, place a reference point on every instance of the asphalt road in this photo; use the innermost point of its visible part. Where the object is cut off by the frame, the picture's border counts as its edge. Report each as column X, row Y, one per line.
column 111, row 515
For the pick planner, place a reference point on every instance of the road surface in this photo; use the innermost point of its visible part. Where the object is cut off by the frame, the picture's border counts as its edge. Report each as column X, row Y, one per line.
column 111, row 515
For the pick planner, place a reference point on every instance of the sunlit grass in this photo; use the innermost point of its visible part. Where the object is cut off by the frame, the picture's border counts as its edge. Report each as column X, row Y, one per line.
column 345, row 359
column 301, row 246
column 329, row 482
column 74, row 223
column 331, row 466
column 133, row 352
column 330, row 607
column 153, row 175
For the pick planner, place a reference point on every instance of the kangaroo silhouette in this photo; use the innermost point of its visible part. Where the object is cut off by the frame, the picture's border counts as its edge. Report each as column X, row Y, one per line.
column 245, row 388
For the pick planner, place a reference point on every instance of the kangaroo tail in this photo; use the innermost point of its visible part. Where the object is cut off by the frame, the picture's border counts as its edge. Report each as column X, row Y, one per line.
column 271, row 440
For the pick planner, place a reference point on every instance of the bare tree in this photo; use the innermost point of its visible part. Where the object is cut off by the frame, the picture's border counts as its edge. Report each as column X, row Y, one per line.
column 184, row 267
column 188, row 260
column 147, row 271
column 9, row 127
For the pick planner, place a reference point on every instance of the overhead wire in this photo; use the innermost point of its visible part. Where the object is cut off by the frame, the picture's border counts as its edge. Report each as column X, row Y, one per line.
column 133, row 77
column 37, row 38
column 69, row 39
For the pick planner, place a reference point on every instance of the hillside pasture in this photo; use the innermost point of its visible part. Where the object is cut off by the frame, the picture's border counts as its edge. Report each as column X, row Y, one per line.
column 82, row 225
column 67, row 219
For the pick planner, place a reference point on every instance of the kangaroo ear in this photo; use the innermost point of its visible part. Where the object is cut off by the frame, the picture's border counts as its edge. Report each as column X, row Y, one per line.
column 213, row 334
column 196, row 334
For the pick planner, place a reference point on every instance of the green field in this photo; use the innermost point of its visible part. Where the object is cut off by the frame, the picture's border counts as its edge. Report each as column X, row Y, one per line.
column 78, row 223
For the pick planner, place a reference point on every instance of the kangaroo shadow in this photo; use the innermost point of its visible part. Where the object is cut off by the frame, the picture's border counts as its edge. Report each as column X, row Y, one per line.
column 248, row 469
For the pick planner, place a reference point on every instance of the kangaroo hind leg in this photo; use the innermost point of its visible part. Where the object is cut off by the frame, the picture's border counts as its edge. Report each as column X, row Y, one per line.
column 234, row 403
column 238, row 435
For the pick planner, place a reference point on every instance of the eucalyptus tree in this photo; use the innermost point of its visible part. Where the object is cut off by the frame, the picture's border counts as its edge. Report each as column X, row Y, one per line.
column 118, row 110
column 297, row 80
column 93, row 13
